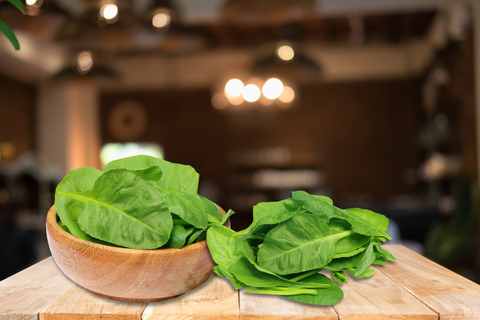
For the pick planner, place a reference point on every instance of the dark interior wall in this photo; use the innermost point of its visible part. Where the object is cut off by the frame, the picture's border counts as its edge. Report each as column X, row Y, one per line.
column 363, row 132
column 17, row 109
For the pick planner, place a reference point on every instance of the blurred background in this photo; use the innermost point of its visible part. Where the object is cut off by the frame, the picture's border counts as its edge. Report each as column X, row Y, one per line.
column 373, row 103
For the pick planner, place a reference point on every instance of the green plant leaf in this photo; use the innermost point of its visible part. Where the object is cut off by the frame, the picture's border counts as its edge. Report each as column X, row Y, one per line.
column 324, row 297
column 177, row 238
column 18, row 4
column 250, row 273
column 225, row 247
column 174, row 176
column 125, row 210
column 266, row 215
column 364, row 222
column 76, row 181
column 189, row 207
column 197, row 236
column 340, row 277
column 211, row 208
column 9, row 34
column 153, row 173
column 367, row 259
column 224, row 273
column 366, row 274
column 305, row 242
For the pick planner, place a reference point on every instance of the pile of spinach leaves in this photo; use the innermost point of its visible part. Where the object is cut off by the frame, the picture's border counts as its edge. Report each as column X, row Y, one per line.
column 289, row 242
column 139, row 202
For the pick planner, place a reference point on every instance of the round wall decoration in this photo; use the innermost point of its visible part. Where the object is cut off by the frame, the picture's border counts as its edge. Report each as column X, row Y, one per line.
column 128, row 120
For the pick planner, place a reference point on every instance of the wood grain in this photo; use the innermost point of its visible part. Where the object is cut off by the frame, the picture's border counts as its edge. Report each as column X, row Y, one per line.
column 268, row 307
column 447, row 293
column 378, row 297
column 78, row 303
column 25, row 294
column 215, row 299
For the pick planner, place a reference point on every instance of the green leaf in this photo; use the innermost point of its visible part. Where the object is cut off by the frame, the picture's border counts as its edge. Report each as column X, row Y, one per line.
column 77, row 181
column 211, row 208
column 125, row 210
column 349, row 254
column 189, row 207
column 177, row 237
column 364, row 222
column 224, row 273
column 226, row 216
column 225, row 247
column 282, row 291
column 9, row 34
column 385, row 253
column 367, row 259
column 324, row 297
column 366, row 274
column 153, row 173
column 174, row 176
column 250, row 273
column 18, row 4
column 266, row 215
column 305, row 242
column 340, row 277
column 197, row 236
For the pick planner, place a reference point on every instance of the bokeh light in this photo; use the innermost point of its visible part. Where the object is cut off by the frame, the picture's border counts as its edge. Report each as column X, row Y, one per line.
column 219, row 101
column 251, row 93
column 84, row 62
column 272, row 88
column 109, row 11
column 287, row 95
column 285, row 53
column 234, row 88
column 161, row 20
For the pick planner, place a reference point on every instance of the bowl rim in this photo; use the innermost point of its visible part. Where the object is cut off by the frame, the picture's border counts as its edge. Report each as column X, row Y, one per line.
column 51, row 222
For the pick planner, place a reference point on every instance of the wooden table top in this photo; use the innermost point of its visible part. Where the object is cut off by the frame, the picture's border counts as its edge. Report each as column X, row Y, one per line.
column 411, row 288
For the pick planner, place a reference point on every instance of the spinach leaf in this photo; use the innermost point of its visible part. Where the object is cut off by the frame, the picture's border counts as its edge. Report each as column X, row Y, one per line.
column 250, row 273
column 174, row 176
column 225, row 247
column 177, row 237
column 364, row 222
column 189, row 207
column 368, row 256
column 224, row 273
column 266, row 215
column 324, row 297
column 305, row 242
column 153, row 173
column 211, row 208
column 77, row 181
column 367, row 273
column 123, row 209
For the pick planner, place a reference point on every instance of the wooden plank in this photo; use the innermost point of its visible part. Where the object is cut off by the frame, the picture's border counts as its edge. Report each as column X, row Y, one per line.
column 269, row 307
column 378, row 297
column 79, row 303
column 215, row 299
column 447, row 293
column 25, row 294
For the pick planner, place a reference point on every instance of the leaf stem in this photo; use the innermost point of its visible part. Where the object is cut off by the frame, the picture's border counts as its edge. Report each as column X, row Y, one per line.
column 282, row 291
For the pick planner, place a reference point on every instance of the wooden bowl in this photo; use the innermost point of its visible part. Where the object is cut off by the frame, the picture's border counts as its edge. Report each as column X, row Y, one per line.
column 129, row 275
